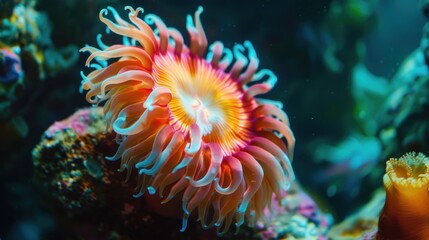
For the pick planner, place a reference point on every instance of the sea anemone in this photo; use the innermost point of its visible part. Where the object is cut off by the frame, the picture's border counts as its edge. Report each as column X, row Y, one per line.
column 405, row 213
column 190, row 122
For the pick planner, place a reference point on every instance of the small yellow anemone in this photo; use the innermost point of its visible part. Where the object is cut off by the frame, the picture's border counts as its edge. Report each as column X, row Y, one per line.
column 406, row 212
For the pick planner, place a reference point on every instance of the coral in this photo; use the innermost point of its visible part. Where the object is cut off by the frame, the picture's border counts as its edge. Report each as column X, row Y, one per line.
column 405, row 213
column 79, row 184
column 190, row 122
column 362, row 223
column 30, row 30
column 402, row 120
column 10, row 68
column 11, row 81
column 82, row 122
column 369, row 92
column 27, row 57
column 299, row 218
column 74, row 181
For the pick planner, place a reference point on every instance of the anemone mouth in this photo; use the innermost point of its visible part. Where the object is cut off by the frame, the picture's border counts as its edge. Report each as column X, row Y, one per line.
column 206, row 96
column 409, row 171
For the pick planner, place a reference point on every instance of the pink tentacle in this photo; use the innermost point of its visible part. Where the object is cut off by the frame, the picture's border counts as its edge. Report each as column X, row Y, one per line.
column 158, row 145
column 274, row 124
column 202, row 36
column 254, row 182
column 270, row 147
column 140, row 36
column 257, row 89
column 124, row 51
column 163, row 31
column 217, row 53
column 216, row 159
column 247, row 76
column 271, row 166
column 236, row 176
column 267, row 110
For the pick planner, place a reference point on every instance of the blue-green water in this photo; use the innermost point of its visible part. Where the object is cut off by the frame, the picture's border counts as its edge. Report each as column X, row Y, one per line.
column 337, row 64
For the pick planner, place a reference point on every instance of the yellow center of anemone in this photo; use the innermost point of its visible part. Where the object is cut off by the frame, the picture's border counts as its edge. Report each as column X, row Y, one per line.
column 206, row 96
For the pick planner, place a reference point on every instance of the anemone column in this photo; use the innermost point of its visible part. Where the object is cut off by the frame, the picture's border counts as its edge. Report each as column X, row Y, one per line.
column 406, row 212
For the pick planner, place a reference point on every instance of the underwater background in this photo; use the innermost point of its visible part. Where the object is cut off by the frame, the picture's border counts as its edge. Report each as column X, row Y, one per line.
column 352, row 76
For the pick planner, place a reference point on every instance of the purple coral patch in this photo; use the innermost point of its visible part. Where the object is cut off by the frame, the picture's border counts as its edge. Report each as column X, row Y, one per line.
column 10, row 66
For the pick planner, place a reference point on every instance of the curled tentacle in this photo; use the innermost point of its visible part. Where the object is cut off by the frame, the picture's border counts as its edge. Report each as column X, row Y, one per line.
column 216, row 159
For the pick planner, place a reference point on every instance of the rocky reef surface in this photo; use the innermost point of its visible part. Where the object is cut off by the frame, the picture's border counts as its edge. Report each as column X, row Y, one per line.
column 92, row 200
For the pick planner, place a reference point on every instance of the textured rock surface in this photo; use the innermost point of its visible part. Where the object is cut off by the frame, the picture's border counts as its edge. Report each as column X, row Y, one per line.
column 92, row 201
column 88, row 195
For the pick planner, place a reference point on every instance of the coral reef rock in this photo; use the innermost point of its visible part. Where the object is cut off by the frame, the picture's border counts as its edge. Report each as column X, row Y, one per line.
column 92, row 200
